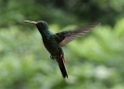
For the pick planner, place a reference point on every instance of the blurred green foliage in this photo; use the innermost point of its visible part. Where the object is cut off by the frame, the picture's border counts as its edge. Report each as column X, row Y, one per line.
column 62, row 12
column 97, row 62
column 94, row 61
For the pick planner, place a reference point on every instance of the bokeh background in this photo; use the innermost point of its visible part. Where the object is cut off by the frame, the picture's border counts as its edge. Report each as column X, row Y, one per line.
column 95, row 61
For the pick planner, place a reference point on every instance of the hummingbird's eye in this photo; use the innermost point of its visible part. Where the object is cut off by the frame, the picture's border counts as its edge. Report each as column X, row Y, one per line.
column 42, row 23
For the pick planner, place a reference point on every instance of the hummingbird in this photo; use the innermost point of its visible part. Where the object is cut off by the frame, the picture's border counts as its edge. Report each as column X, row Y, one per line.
column 54, row 42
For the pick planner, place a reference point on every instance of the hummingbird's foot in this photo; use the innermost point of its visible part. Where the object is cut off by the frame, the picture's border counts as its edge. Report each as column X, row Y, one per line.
column 53, row 57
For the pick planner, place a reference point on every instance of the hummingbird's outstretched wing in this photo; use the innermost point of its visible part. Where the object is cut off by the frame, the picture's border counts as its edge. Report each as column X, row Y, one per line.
column 67, row 36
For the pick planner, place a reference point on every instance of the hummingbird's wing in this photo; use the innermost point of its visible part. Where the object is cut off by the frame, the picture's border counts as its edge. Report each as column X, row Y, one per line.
column 67, row 36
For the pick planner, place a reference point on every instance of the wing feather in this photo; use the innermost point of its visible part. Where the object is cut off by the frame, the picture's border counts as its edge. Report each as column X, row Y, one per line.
column 68, row 36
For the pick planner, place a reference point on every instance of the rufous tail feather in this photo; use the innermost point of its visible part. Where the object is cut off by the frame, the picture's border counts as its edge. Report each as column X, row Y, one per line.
column 62, row 66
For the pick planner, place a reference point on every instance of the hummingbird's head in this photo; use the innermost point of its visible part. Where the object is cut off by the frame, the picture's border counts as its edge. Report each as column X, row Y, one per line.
column 41, row 25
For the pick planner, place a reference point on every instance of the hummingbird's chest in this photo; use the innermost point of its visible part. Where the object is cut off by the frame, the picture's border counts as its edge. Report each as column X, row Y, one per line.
column 52, row 45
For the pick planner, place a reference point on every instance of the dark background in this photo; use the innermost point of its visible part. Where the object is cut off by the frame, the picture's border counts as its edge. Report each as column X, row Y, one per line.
column 95, row 61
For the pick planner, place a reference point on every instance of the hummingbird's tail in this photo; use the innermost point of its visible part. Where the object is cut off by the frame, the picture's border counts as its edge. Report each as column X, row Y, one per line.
column 60, row 61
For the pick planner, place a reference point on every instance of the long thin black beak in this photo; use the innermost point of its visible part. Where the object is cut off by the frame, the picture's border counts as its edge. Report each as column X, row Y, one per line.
column 31, row 22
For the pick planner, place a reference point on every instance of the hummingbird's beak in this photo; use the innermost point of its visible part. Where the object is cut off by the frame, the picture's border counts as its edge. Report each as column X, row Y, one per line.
column 32, row 22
